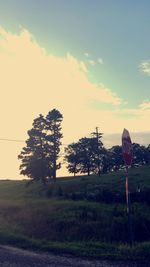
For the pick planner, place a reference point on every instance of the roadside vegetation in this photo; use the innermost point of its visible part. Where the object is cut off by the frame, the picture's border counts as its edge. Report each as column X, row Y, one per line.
column 82, row 215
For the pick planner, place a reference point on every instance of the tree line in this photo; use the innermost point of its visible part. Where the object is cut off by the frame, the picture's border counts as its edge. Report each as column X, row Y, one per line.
column 40, row 157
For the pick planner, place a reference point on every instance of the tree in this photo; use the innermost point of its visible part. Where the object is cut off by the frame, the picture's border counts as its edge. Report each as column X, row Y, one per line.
column 107, row 163
column 147, row 155
column 85, row 156
column 54, row 135
column 34, row 163
column 39, row 157
column 139, row 154
column 72, row 157
column 117, row 158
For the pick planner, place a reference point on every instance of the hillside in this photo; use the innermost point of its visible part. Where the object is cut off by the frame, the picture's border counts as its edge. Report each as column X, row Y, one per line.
column 114, row 182
column 81, row 215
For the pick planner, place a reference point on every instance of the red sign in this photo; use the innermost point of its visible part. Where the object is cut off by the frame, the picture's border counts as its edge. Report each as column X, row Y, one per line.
column 127, row 147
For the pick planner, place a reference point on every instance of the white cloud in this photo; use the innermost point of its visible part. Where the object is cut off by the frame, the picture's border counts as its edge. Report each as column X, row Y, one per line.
column 29, row 73
column 145, row 105
column 92, row 62
column 33, row 81
column 100, row 61
column 86, row 54
column 109, row 96
column 145, row 67
column 83, row 66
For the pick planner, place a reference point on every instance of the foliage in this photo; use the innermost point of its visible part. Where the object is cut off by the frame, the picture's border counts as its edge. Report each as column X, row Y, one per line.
column 141, row 154
column 89, row 156
column 85, row 156
column 73, row 158
column 117, row 158
column 53, row 137
column 42, row 149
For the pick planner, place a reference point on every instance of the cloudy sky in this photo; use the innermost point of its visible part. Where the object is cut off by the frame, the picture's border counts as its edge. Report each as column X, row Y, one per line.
column 89, row 59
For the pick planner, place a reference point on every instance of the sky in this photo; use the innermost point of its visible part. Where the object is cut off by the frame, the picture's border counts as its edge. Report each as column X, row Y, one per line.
column 88, row 59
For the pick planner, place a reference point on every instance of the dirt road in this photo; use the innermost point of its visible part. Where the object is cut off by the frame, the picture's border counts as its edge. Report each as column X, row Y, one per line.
column 14, row 257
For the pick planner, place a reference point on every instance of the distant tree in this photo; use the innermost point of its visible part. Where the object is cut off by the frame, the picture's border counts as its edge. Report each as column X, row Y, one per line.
column 39, row 156
column 147, row 155
column 84, row 156
column 116, row 157
column 72, row 157
column 145, row 152
column 107, row 162
column 87, row 155
column 140, row 154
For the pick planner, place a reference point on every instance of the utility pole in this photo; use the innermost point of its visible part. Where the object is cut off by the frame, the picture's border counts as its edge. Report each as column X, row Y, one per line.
column 96, row 135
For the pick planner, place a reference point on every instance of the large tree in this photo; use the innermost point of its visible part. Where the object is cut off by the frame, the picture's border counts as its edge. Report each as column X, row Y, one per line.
column 53, row 136
column 39, row 156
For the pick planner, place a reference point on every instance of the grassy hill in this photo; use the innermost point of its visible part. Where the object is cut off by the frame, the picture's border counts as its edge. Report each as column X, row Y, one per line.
column 80, row 215
column 114, row 181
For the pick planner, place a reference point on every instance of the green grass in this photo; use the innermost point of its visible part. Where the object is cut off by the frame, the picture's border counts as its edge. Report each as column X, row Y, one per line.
column 62, row 216
column 114, row 182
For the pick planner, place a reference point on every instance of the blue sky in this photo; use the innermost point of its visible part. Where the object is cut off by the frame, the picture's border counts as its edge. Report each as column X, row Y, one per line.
column 89, row 59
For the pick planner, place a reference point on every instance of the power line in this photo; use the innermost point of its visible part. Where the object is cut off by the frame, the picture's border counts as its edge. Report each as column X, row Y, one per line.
column 11, row 140
column 17, row 140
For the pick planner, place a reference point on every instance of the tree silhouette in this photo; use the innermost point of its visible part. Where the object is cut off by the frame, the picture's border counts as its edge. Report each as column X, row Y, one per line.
column 39, row 156
column 116, row 157
column 72, row 157
column 53, row 137
column 85, row 156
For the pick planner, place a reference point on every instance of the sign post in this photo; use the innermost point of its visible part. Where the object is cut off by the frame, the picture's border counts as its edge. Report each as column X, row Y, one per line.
column 128, row 156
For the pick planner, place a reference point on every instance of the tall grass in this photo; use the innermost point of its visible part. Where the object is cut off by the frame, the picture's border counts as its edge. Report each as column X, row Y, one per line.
column 67, row 212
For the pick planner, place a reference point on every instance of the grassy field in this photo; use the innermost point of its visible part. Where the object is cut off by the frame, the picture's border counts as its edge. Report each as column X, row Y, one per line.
column 80, row 215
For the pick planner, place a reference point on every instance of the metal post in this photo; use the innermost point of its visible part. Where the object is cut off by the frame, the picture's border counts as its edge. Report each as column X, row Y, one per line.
column 130, row 231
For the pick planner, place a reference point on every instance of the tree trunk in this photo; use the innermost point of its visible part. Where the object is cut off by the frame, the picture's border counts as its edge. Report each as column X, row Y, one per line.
column 54, row 166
